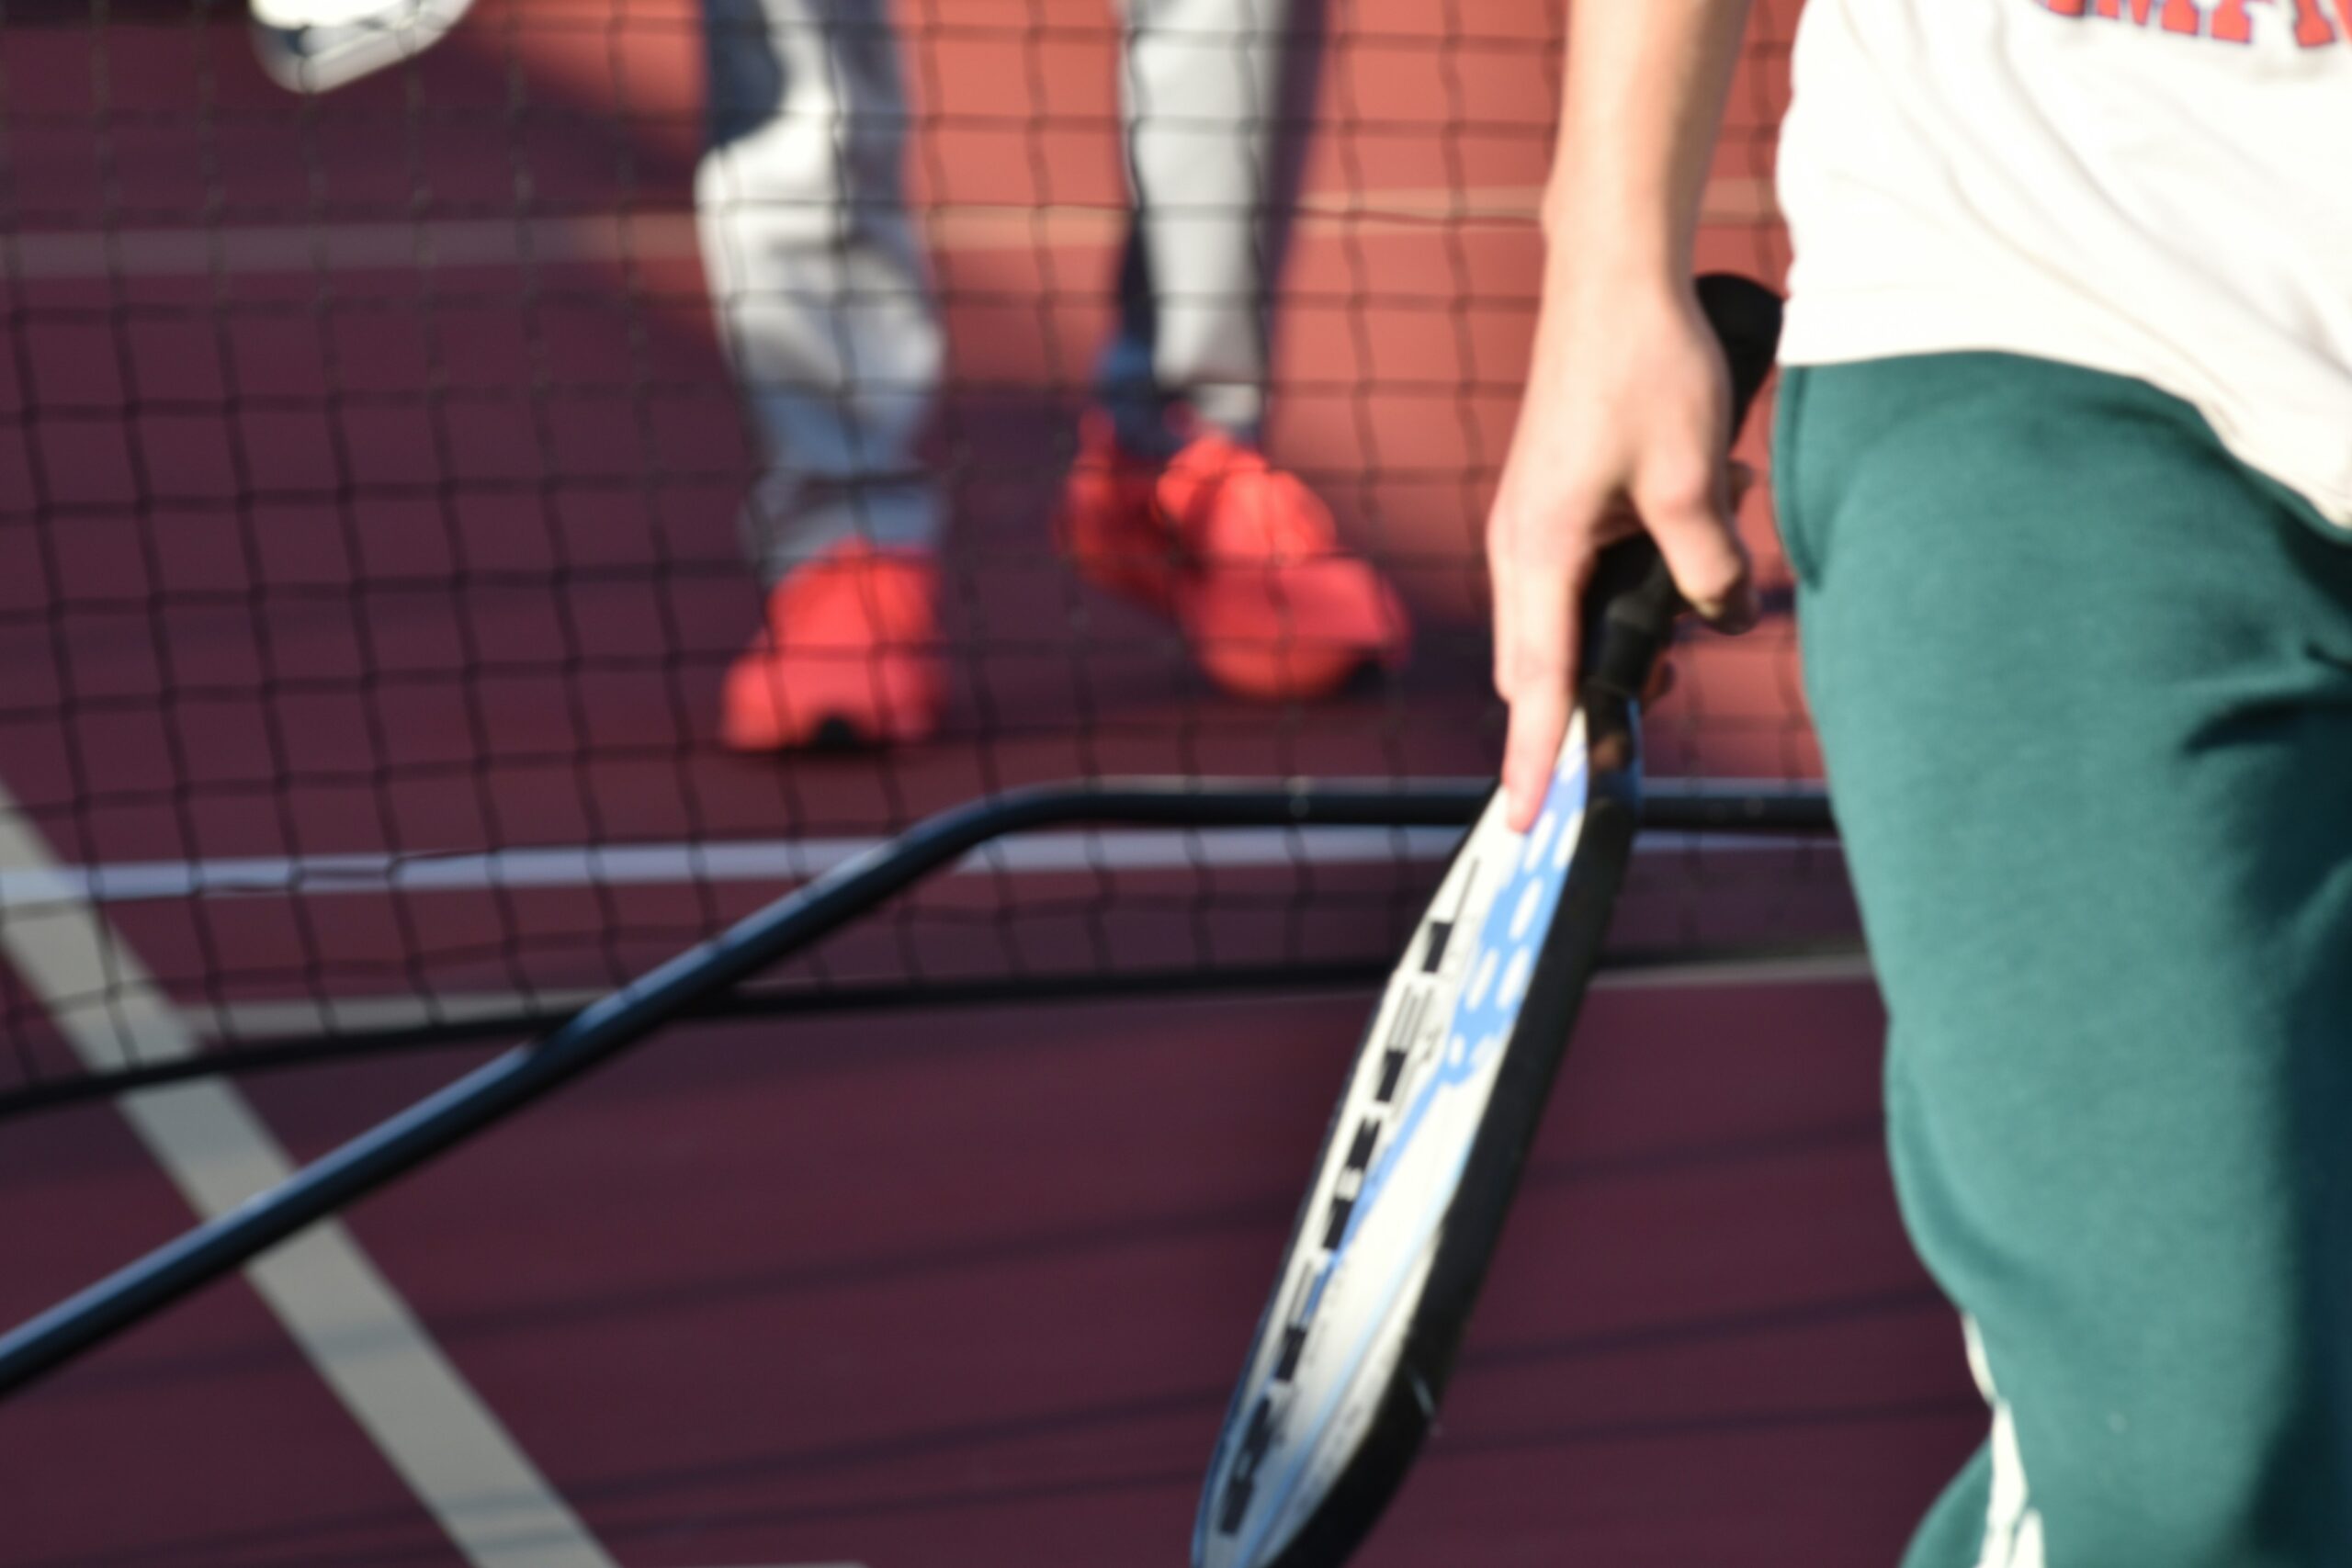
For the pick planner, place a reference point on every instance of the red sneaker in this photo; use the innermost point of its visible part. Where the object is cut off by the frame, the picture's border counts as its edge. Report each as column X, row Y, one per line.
column 851, row 655
column 1274, row 608
column 1243, row 557
column 1108, row 527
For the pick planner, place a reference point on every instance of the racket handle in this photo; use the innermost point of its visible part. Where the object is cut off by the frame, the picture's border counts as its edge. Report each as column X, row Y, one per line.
column 1631, row 606
column 1747, row 319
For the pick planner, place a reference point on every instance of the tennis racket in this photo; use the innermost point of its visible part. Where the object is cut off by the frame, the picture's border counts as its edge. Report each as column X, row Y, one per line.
column 1422, row 1157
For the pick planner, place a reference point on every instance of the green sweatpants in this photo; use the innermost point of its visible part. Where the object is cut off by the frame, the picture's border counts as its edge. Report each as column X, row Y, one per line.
column 2084, row 687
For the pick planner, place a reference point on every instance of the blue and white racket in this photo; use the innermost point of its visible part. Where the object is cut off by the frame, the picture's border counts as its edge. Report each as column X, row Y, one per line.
column 1422, row 1158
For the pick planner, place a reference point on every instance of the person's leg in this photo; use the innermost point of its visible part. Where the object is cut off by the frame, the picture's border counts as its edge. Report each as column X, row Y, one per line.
column 1201, row 94
column 816, row 274
column 1177, row 508
column 817, row 280
column 2085, row 688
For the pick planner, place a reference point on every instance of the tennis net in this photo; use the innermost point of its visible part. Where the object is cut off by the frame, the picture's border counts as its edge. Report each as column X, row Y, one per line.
column 371, row 463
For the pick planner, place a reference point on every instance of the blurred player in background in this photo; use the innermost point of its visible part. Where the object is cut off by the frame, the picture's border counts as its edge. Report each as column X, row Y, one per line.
column 819, row 278
column 817, row 273
column 2065, row 467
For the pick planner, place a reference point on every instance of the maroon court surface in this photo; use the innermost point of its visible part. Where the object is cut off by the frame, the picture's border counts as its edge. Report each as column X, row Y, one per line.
column 367, row 477
column 962, row 1290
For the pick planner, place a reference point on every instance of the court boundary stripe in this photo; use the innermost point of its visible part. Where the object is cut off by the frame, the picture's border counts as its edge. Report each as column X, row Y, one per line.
column 780, row 862
column 344, row 1317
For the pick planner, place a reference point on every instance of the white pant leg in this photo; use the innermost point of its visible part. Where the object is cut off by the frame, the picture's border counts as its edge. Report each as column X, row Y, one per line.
column 816, row 274
column 1203, row 87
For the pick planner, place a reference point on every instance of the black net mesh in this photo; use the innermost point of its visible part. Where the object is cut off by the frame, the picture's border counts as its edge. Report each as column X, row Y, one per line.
column 373, row 464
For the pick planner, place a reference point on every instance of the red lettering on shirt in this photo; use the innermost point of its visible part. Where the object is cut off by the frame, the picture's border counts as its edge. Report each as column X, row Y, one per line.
column 2179, row 15
column 2312, row 30
column 2232, row 21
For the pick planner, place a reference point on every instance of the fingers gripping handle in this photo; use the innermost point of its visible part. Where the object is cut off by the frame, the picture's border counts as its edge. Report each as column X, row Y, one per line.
column 1631, row 606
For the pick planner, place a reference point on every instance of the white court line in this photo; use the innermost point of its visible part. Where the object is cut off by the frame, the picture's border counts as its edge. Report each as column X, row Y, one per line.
column 754, row 860
column 778, row 861
column 350, row 1323
column 774, row 860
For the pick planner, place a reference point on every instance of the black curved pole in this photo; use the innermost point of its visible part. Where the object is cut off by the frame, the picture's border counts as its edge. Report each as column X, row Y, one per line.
column 611, row 1025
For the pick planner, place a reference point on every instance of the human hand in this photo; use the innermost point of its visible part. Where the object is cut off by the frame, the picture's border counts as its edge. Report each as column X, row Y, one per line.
column 1622, row 429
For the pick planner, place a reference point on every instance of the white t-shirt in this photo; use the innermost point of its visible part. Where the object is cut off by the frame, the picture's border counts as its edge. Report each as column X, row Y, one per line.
column 2160, row 188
